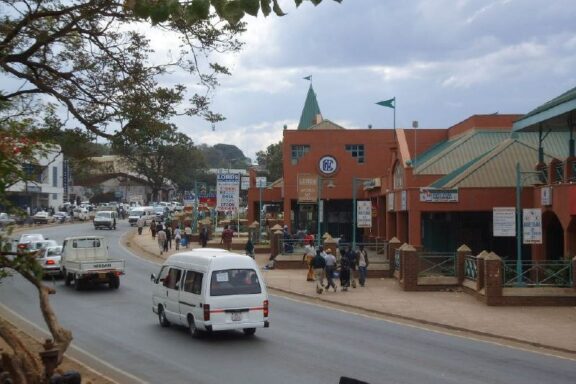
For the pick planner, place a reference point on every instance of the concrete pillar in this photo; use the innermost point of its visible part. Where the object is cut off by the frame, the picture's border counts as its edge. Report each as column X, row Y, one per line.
column 275, row 244
column 461, row 254
column 393, row 245
column 410, row 268
column 574, row 272
column 493, row 279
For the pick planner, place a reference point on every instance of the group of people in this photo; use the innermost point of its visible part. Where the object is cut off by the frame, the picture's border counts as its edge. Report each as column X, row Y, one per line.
column 322, row 264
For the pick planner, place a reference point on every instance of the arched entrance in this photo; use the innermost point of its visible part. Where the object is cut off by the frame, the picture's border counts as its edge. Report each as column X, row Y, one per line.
column 571, row 232
column 553, row 237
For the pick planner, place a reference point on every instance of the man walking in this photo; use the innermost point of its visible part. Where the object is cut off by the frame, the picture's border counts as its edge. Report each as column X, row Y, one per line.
column 161, row 238
column 318, row 264
column 309, row 254
column 330, row 268
column 226, row 238
column 362, row 265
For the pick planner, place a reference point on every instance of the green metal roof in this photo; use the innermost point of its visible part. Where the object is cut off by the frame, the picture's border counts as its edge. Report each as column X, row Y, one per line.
column 553, row 114
column 310, row 110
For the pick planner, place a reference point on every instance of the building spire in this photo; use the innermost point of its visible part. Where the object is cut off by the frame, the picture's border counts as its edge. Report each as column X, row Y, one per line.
column 311, row 111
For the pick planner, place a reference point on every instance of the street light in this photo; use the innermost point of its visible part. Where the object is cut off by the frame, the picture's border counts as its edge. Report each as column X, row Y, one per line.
column 355, row 180
column 261, row 183
column 320, row 184
column 519, row 230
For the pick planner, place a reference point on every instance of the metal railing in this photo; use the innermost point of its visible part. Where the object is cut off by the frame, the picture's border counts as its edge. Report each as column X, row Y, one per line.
column 376, row 250
column 437, row 264
column 397, row 260
column 291, row 246
column 538, row 274
column 471, row 268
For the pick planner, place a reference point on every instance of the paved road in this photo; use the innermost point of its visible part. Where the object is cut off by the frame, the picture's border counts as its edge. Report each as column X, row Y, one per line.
column 305, row 344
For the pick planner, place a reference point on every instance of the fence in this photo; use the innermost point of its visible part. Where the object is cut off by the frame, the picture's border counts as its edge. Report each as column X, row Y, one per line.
column 437, row 264
column 538, row 274
column 471, row 268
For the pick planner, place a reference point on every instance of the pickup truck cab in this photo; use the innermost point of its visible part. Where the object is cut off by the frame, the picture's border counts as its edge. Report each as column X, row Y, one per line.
column 85, row 259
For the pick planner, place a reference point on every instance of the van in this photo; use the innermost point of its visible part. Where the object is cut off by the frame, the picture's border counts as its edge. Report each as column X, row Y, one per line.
column 210, row 289
column 147, row 213
column 106, row 219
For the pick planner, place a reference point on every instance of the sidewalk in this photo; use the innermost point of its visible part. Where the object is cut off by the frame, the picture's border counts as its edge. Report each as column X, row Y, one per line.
column 549, row 327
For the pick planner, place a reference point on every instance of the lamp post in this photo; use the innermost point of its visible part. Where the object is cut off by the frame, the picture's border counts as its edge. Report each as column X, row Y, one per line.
column 519, row 228
column 320, row 184
column 261, row 183
column 355, row 180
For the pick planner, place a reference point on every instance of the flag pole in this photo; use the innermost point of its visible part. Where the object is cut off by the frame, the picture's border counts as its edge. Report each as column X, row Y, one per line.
column 394, row 114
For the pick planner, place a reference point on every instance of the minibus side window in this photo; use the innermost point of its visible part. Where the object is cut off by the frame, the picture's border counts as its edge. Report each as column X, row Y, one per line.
column 173, row 279
column 193, row 282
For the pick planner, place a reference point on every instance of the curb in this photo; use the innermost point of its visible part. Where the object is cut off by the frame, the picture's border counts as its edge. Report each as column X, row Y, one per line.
column 128, row 243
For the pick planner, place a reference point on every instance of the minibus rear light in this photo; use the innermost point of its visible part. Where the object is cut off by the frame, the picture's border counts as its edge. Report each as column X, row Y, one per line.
column 265, row 308
column 206, row 312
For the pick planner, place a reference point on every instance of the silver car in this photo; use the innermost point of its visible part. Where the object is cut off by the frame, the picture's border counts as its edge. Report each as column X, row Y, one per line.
column 49, row 259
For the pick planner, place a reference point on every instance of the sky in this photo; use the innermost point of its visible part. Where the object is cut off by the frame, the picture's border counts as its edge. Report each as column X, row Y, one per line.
column 443, row 60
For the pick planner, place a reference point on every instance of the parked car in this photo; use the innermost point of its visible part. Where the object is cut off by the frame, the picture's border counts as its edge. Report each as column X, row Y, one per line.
column 42, row 217
column 6, row 219
column 160, row 212
column 50, row 259
column 81, row 213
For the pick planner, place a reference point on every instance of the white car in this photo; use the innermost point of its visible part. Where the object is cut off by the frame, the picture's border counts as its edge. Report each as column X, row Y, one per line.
column 50, row 259
column 42, row 217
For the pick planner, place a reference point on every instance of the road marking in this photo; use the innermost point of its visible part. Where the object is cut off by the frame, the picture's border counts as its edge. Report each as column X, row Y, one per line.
column 430, row 328
column 81, row 355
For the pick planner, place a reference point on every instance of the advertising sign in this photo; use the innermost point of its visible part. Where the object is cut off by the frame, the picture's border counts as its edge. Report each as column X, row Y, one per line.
column 532, row 225
column 245, row 183
column 364, row 214
column 261, row 182
column 307, row 188
column 504, row 221
column 227, row 192
column 438, row 195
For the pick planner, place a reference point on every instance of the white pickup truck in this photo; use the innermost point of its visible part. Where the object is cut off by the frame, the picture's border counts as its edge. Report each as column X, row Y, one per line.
column 85, row 259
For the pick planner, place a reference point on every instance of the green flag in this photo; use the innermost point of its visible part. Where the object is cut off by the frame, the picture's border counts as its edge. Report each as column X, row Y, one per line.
column 391, row 103
column 308, row 78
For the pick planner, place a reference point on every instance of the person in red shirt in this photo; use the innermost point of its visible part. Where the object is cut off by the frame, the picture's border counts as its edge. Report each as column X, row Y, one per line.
column 226, row 238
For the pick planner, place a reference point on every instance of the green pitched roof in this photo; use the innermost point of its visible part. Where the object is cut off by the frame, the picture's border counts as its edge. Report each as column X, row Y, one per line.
column 310, row 110
column 552, row 114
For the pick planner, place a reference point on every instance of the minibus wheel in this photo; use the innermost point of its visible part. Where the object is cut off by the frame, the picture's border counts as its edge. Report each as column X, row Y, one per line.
column 194, row 331
column 249, row 331
column 162, row 317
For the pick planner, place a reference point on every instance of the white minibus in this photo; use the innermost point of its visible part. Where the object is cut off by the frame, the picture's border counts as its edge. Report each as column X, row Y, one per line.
column 210, row 289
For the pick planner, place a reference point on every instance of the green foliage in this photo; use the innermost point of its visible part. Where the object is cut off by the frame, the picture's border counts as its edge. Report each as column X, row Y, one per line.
column 271, row 161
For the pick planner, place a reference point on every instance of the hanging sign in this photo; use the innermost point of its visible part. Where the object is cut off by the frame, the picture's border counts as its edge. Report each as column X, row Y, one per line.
column 532, row 225
column 227, row 192
column 504, row 221
column 364, row 214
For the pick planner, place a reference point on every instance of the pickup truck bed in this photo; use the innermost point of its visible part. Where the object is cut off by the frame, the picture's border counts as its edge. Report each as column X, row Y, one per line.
column 94, row 271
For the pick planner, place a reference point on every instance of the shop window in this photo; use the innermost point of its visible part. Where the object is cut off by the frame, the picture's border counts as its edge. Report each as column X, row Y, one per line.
column 357, row 152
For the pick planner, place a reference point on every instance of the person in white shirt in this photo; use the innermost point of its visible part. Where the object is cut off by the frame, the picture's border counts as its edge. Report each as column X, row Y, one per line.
column 330, row 268
column 362, row 265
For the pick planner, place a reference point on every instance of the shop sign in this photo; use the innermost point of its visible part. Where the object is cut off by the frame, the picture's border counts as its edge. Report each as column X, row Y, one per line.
column 438, row 195
column 245, row 183
column 307, row 188
column 364, row 213
column 532, row 225
column 227, row 192
column 504, row 221
column 328, row 165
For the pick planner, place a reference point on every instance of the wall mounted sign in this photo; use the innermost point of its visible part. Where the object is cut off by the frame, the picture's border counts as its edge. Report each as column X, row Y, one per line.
column 328, row 165
column 307, row 188
column 546, row 196
column 438, row 195
column 364, row 214
column 504, row 221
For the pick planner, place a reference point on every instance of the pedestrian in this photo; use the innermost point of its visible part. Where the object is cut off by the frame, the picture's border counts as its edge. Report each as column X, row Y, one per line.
column 318, row 264
column 362, row 265
column 177, row 237
column 249, row 248
column 188, row 235
column 309, row 253
column 329, row 269
column 344, row 270
column 153, row 228
column 203, row 237
column 161, row 238
column 140, row 224
column 226, row 237
column 168, row 238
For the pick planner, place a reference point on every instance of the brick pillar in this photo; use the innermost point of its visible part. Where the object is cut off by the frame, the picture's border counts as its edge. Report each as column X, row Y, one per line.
column 480, row 268
column 275, row 244
column 461, row 254
column 393, row 245
column 410, row 268
column 400, row 271
column 493, row 279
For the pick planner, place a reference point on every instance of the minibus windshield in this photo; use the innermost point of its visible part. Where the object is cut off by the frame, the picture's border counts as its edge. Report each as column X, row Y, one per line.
column 234, row 282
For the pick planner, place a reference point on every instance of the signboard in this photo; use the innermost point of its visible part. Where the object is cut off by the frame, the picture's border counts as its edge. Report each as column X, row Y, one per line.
column 227, row 192
column 321, row 211
column 65, row 181
column 307, row 188
column 390, row 201
column 261, row 182
column 532, row 225
column 438, row 195
column 328, row 165
column 364, row 213
column 245, row 183
column 504, row 222
column 546, row 196
column 404, row 200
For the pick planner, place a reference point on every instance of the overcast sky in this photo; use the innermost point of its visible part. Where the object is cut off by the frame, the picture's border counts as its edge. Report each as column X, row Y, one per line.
column 443, row 60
